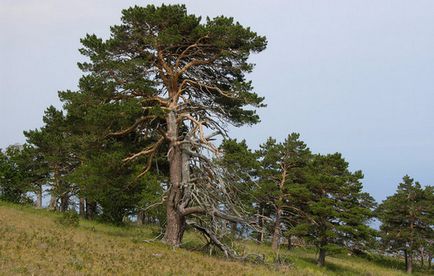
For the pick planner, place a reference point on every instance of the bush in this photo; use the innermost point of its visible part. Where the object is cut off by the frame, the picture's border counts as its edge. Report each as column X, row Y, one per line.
column 69, row 218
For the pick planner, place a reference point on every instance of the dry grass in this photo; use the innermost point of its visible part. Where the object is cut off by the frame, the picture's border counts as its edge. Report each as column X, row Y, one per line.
column 32, row 243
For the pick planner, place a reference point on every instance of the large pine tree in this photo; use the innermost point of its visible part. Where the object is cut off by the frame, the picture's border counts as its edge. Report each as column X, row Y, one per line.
column 188, row 77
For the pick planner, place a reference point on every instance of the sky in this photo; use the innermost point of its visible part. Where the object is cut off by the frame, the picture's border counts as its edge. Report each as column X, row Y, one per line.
column 355, row 77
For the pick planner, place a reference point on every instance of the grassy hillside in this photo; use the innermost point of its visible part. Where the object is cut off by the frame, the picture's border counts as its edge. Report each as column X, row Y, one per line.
column 32, row 242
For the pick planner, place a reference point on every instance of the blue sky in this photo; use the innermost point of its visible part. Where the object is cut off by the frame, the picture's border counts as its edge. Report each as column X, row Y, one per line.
column 355, row 77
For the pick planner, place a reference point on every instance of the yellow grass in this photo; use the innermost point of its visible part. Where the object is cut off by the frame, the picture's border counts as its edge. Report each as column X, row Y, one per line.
column 32, row 243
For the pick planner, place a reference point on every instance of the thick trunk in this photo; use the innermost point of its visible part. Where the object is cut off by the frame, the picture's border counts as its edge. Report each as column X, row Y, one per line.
column 175, row 227
column 39, row 197
column 321, row 257
column 276, row 233
column 175, row 220
column 82, row 208
column 140, row 217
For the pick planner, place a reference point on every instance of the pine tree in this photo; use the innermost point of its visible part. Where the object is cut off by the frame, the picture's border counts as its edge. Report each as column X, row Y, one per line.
column 338, row 210
column 13, row 188
column 407, row 219
column 53, row 146
column 187, row 76
column 282, row 180
column 101, row 176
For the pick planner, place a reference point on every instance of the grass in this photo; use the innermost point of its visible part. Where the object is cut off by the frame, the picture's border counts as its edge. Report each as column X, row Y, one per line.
column 33, row 243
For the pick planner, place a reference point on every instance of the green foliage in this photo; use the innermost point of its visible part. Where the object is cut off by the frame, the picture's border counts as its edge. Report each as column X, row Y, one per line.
column 338, row 211
column 282, row 189
column 216, row 49
column 408, row 218
column 14, row 175
column 53, row 149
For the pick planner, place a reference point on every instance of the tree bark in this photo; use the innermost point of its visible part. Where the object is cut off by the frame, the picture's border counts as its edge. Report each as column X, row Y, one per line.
column 260, row 236
column 175, row 220
column 234, row 228
column 429, row 260
column 82, row 208
column 90, row 210
column 64, row 202
column 422, row 257
column 409, row 267
column 276, row 233
column 289, row 242
column 140, row 217
column 321, row 257
column 39, row 197
column 53, row 202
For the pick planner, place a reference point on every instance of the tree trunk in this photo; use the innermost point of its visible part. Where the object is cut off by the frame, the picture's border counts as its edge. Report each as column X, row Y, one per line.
column 409, row 267
column 422, row 257
column 429, row 260
column 53, row 202
column 175, row 227
column 175, row 220
column 39, row 197
column 321, row 257
column 64, row 202
column 140, row 217
column 82, row 207
column 260, row 236
column 276, row 233
column 90, row 210
column 289, row 242
column 234, row 228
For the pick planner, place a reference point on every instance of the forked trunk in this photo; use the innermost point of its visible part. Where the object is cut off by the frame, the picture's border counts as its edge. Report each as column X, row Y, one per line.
column 276, row 233
column 321, row 257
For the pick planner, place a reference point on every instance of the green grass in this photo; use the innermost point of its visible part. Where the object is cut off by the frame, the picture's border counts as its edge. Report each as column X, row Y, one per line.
column 33, row 243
